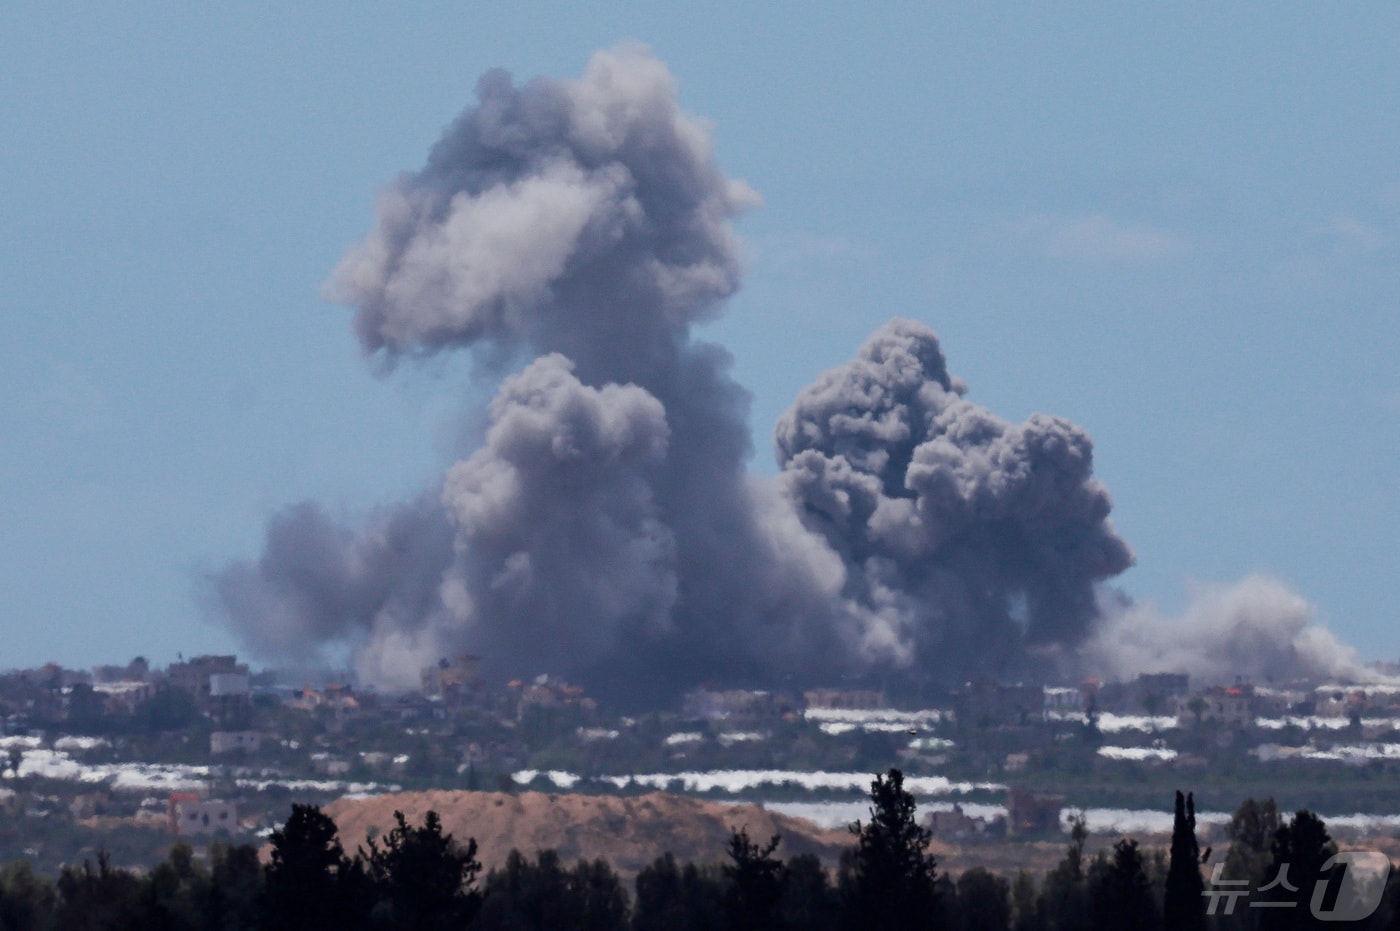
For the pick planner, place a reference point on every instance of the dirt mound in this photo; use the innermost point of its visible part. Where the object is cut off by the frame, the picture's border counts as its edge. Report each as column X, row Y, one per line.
column 629, row 832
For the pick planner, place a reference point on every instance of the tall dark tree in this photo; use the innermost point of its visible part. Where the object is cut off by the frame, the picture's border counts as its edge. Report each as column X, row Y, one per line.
column 422, row 877
column 675, row 898
column 984, row 900
column 601, row 900
column 177, row 892
column 236, row 882
column 27, row 900
column 1251, row 831
column 1299, row 849
column 310, row 882
column 890, row 880
column 1121, row 896
column 755, row 882
column 102, row 899
column 544, row 896
column 1063, row 904
column 1183, row 905
column 808, row 900
column 947, row 913
column 1023, row 901
column 525, row 896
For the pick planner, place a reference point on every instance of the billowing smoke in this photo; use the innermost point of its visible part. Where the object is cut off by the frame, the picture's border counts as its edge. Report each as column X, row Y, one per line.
column 581, row 217
column 374, row 588
column 1257, row 628
column 569, row 234
column 967, row 536
column 607, row 528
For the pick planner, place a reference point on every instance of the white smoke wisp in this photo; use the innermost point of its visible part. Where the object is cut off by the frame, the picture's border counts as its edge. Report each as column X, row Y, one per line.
column 1257, row 628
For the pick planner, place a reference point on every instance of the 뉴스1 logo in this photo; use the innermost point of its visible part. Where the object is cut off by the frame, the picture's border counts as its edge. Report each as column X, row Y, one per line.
column 1349, row 888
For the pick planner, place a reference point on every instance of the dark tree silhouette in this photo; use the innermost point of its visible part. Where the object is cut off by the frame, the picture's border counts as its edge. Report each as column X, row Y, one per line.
column 235, row 886
column 310, row 882
column 808, row 901
column 755, row 882
column 104, row 899
column 889, row 880
column 1299, row 849
column 1387, row 917
column 543, row 896
column 675, row 898
column 1183, row 906
column 601, row 900
column 1122, row 897
column 27, row 900
column 423, row 878
column 176, row 892
column 1251, row 831
column 984, row 899
column 1023, row 900
column 1064, row 903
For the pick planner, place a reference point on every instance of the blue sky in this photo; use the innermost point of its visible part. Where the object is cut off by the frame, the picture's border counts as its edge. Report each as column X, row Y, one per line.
column 1178, row 226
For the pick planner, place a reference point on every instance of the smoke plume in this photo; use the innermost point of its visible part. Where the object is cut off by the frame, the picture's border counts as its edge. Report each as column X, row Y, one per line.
column 569, row 234
column 1256, row 628
column 967, row 536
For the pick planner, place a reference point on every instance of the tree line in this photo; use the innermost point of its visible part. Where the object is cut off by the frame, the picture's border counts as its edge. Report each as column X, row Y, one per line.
column 418, row 877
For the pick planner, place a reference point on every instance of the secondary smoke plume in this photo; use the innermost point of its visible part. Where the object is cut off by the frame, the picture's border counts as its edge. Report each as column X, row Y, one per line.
column 572, row 232
column 1257, row 627
column 968, row 536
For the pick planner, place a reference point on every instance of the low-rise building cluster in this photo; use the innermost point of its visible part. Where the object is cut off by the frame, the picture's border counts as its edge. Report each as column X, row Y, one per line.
column 206, row 745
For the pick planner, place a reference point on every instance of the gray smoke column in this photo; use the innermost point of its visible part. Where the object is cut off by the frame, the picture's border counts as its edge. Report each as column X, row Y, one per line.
column 606, row 529
column 572, row 232
column 967, row 539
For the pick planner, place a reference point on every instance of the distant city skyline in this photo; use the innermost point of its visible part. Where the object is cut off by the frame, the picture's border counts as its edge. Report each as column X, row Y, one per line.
column 1177, row 229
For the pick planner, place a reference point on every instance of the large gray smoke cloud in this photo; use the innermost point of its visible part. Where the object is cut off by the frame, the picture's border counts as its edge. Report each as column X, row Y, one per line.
column 573, row 232
column 968, row 536
column 582, row 217
column 606, row 529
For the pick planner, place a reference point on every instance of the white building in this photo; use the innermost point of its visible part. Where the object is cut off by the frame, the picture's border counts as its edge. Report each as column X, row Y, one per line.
column 231, row 741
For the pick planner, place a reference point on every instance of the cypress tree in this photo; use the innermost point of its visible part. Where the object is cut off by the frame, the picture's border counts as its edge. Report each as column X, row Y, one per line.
column 1183, row 905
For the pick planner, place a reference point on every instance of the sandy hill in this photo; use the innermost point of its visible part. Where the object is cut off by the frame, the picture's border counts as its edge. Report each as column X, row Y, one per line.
column 629, row 832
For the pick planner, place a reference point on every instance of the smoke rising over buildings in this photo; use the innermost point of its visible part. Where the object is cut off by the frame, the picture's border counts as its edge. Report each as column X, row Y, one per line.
column 968, row 537
column 573, row 232
column 1256, row 627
